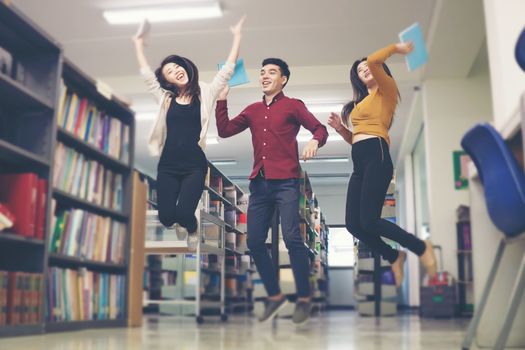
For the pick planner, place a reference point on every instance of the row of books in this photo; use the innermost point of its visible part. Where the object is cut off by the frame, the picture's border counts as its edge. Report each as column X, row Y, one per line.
column 214, row 181
column 23, row 197
column 80, row 295
column 86, row 235
column 84, row 119
column 87, row 179
column 20, row 294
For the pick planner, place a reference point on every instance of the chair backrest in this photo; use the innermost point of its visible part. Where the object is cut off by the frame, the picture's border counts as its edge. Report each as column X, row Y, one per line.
column 502, row 179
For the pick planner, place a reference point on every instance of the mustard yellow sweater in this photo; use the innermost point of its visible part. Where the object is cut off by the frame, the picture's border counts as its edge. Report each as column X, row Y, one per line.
column 373, row 115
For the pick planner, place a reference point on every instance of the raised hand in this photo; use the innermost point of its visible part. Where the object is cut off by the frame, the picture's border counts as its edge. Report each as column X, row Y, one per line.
column 404, row 48
column 237, row 28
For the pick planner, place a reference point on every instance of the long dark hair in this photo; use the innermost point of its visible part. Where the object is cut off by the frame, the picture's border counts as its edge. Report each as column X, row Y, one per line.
column 360, row 90
column 192, row 88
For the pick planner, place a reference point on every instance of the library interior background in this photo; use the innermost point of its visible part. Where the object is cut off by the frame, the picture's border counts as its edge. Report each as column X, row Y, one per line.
column 86, row 264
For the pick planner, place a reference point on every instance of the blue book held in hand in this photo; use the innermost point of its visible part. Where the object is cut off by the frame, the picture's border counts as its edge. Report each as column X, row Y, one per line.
column 419, row 56
column 239, row 76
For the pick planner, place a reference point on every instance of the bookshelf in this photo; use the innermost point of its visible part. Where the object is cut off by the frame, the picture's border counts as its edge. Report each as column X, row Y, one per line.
column 465, row 268
column 219, row 268
column 92, row 194
column 29, row 75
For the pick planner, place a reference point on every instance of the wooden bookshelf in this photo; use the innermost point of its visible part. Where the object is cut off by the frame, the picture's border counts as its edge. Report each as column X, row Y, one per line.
column 226, row 194
column 7, row 238
column 75, row 202
column 29, row 132
column 22, row 159
column 75, row 81
column 67, row 261
column 80, row 325
column 29, row 94
column 73, row 141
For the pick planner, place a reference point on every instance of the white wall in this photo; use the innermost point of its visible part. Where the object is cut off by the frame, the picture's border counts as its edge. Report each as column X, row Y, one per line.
column 504, row 21
column 332, row 200
column 451, row 107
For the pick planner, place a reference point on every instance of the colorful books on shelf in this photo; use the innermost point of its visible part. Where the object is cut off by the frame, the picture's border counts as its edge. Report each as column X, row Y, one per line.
column 80, row 295
column 82, row 118
column 20, row 295
column 216, row 208
column 25, row 195
column 87, row 179
column 230, row 193
column 230, row 217
column 88, row 236
column 216, row 183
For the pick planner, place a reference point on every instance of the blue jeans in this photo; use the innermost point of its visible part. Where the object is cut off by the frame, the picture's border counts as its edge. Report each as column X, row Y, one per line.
column 265, row 196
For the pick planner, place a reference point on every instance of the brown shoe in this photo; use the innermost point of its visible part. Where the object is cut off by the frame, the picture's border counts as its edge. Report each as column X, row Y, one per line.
column 398, row 268
column 428, row 259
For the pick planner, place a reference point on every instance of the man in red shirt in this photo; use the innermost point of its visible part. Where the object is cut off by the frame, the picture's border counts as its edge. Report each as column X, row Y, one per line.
column 274, row 123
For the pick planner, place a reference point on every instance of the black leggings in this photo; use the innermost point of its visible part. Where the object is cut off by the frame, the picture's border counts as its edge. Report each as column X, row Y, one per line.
column 367, row 188
column 178, row 194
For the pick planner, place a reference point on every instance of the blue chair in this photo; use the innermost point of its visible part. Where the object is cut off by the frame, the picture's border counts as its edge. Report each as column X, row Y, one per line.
column 504, row 186
column 519, row 51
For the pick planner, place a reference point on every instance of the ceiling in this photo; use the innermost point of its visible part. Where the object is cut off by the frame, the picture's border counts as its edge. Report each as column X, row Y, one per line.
column 319, row 40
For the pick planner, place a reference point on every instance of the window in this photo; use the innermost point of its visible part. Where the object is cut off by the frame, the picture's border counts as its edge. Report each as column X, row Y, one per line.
column 340, row 247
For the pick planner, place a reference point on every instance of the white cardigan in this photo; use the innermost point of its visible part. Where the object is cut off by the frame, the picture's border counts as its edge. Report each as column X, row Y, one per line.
column 208, row 97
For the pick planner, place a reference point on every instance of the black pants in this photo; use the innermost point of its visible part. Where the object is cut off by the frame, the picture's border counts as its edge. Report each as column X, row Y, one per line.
column 265, row 196
column 367, row 188
column 178, row 194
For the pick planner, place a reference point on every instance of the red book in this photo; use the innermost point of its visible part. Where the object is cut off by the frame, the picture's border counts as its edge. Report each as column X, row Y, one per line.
column 80, row 116
column 41, row 208
column 19, row 192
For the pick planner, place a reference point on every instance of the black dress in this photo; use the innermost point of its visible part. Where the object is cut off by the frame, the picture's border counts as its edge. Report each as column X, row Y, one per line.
column 182, row 167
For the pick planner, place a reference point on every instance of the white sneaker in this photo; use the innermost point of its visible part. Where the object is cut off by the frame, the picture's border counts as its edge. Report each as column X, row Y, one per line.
column 193, row 240
column 180, row 231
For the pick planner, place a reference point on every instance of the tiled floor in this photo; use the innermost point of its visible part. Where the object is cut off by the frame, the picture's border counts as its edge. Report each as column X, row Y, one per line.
column 332, row 330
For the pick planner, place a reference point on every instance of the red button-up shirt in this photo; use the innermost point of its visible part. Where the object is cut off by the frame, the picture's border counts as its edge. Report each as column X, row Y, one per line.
column 274, row 129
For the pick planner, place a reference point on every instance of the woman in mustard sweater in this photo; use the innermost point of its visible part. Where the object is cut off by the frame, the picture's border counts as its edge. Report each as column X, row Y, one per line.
column 364, row 124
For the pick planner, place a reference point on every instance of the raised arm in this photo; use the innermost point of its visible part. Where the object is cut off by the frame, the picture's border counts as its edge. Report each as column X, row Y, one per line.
column 237, row 33
column 145, row 70
column 386, row 84
column 139, row 52
column 222, row 77
column 225, row 126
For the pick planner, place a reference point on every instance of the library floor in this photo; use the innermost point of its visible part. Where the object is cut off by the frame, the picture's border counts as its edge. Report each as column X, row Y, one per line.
column 333, row 330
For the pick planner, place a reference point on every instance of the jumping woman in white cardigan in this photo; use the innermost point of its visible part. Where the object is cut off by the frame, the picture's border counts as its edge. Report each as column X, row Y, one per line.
column 179, row 133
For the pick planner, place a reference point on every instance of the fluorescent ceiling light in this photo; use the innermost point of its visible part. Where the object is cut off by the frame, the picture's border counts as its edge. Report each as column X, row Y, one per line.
column 224, row 162
column 308, row 137
column 325, row 107
column 180, row 12
column 326, row 160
